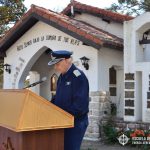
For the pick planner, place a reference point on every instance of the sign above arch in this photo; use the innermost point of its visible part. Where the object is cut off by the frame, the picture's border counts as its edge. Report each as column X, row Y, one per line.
column 48, row 37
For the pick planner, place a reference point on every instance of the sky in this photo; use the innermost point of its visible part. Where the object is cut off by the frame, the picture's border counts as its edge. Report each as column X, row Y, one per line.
column 59, row 5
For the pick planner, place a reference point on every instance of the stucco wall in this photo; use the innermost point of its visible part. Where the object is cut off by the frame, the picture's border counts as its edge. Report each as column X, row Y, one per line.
column 26, row 57
column 112, row 27
column 137, row 62
column 107, row 59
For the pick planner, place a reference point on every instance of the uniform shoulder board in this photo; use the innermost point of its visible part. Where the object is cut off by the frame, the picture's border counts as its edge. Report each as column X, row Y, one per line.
column 76, row 73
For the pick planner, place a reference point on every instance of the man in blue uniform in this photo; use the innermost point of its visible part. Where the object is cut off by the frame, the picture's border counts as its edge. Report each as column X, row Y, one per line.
column 72, row 95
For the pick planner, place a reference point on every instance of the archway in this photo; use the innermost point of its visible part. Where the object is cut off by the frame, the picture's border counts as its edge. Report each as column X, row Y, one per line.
column 29, row 65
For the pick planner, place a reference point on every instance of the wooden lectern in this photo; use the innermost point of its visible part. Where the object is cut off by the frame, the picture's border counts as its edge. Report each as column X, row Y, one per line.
column 29, row 122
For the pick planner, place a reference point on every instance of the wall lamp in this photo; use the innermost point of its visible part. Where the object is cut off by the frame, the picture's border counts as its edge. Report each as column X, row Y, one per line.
column 84, row 61
column 7, row 68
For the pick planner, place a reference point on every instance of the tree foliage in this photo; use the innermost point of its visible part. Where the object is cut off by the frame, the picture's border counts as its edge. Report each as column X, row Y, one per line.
column 131, row 7
column 10, row 12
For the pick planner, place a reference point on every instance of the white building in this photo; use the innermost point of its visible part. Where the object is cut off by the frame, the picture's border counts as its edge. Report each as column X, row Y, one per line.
column 96, row 34
column 137, row 68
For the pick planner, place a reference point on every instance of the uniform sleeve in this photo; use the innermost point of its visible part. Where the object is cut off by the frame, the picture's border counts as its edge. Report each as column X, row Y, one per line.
column 80, row 96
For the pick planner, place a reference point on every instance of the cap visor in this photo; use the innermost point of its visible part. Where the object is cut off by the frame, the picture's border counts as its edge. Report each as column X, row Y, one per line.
column 54, row 61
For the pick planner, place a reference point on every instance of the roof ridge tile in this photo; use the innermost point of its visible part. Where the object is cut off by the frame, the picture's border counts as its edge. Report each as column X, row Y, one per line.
column 95, row 10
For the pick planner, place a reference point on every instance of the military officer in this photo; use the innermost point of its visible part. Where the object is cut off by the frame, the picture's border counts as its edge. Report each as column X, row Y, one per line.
column 72, row 95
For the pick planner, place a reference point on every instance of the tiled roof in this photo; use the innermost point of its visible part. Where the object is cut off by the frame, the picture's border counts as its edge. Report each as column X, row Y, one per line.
column 97, row 12
column 89, row 35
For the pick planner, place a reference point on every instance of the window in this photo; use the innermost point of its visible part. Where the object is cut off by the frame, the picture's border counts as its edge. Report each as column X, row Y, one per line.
column 112, row 81
column 112, row 75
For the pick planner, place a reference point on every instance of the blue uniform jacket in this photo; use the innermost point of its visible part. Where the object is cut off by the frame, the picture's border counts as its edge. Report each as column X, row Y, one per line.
column 72, row 94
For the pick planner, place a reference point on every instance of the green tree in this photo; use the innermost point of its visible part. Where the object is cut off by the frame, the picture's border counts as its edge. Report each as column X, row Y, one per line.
column 10, row 12
column 130, row 7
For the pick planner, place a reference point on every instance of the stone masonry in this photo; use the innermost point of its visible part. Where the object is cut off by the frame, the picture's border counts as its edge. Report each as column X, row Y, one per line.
column 99, row 107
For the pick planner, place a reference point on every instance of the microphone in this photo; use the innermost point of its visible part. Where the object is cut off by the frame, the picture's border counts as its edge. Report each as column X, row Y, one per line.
column 35, row 83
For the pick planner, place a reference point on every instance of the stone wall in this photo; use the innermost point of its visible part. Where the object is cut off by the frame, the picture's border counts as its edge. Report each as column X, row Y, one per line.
column 99, row 107
column 126, row 125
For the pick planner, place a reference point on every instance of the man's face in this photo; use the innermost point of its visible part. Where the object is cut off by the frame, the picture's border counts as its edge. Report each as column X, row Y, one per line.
column 61, row 66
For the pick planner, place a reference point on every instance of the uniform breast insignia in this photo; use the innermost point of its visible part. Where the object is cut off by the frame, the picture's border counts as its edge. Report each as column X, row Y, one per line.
column 68, row 83
column 76, row 73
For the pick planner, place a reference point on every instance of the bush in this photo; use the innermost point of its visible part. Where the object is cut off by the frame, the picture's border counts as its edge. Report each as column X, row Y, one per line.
column 110, row 132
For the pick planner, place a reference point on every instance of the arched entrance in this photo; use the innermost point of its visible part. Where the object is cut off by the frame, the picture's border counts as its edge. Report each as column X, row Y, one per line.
column 38, row 68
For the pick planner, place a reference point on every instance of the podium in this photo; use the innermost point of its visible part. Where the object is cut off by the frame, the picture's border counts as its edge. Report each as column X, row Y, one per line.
column 29, row 122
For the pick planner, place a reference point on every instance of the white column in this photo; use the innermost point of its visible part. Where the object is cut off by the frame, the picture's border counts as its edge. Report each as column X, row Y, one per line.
column 34, row 77
column 145, row 86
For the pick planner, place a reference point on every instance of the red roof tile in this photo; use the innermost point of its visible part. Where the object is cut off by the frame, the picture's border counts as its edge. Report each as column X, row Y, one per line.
column 97, row 11
column 89, row 35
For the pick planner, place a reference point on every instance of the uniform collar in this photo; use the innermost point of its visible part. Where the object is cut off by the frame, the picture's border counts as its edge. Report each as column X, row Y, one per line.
column 70, row 70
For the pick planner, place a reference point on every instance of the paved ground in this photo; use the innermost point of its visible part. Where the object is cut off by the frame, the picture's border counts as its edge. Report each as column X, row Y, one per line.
column 88, row 145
